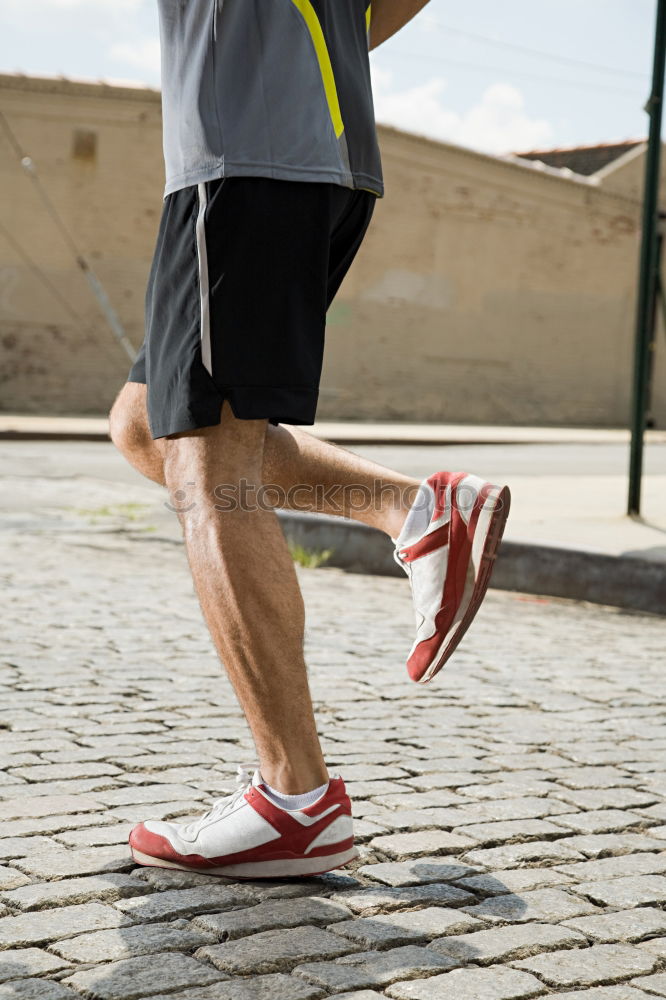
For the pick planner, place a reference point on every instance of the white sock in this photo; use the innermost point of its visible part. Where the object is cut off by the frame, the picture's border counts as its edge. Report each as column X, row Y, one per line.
column 294, row 801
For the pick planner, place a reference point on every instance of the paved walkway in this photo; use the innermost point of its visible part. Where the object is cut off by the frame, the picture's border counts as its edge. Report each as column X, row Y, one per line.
column 512, row 815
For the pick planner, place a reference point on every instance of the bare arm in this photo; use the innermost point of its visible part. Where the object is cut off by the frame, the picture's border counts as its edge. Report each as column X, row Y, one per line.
column 389, row 16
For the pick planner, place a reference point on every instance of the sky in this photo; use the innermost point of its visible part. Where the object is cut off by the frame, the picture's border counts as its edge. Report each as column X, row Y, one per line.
column 498, row 77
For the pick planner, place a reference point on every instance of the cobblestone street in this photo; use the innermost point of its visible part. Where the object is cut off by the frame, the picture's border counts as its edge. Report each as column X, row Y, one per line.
column 511, row 815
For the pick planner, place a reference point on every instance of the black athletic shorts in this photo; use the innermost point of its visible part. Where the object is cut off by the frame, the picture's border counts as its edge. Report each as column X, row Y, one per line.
column 243, row 273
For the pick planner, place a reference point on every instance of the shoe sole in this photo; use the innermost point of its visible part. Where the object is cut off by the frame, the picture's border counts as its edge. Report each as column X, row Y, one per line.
column 489, row 530
column 259, row 869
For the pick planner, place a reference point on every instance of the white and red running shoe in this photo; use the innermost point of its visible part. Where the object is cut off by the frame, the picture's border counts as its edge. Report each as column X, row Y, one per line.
column 246, row 836
column 447, row 547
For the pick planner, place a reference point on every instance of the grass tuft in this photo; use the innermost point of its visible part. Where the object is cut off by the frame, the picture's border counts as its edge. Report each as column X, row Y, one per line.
column 127, row 511
column 309, row 558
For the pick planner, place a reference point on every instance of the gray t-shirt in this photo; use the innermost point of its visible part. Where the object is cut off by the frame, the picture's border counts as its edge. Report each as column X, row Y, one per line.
column 268, row 88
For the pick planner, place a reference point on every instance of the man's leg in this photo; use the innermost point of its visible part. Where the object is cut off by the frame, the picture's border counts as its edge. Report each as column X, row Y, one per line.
column 249, row 594
column 337, row 481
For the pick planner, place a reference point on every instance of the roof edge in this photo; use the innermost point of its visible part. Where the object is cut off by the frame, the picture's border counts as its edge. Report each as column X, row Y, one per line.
column 575, row 149
column 84, row 88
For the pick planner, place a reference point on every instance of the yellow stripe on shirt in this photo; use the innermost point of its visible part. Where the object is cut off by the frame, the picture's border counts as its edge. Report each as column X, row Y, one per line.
column 325, row 67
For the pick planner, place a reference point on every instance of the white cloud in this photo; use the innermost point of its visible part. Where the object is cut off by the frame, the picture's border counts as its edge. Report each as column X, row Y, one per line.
column 498, row 123
column 143, row 55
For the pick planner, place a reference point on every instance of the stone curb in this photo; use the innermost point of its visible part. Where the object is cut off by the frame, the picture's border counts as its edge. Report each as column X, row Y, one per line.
column 551, row 570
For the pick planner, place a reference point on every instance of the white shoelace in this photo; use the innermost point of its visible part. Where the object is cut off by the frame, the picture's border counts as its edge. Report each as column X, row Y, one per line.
column 223, row 804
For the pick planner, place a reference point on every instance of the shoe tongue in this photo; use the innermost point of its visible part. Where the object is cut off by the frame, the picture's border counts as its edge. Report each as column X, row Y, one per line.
column 257, row 780
column 418, row 518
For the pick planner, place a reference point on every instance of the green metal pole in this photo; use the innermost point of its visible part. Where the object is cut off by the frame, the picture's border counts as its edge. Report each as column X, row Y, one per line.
column 657, row 302
column 648, row 256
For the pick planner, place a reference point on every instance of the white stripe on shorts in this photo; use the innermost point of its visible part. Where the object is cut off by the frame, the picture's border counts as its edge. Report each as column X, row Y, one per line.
column 202, row 255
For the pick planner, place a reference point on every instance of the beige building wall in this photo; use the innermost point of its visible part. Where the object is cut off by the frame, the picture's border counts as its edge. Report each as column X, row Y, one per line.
column 486, row 290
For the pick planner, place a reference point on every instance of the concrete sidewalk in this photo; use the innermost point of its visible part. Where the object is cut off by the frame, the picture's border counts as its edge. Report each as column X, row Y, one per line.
column 568, row 535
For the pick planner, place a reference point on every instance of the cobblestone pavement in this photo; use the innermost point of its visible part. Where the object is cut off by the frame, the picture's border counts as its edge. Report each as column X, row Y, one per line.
column 512, row 815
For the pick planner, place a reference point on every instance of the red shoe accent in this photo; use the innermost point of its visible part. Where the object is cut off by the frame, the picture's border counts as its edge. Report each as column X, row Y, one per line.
column 156, row 846
column 435, row 540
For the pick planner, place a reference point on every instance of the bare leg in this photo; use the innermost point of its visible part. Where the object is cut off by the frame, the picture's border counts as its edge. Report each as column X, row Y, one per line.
column 336, row 481
column 249, row 594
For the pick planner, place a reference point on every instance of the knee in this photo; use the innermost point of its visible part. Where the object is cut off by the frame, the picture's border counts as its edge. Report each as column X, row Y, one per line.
column 128, row 426
column 122, row 427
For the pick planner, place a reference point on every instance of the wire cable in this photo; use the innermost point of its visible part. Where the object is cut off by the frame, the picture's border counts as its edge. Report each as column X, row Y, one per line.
column 526, row 50
column 98, row 291
column 43, row 277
